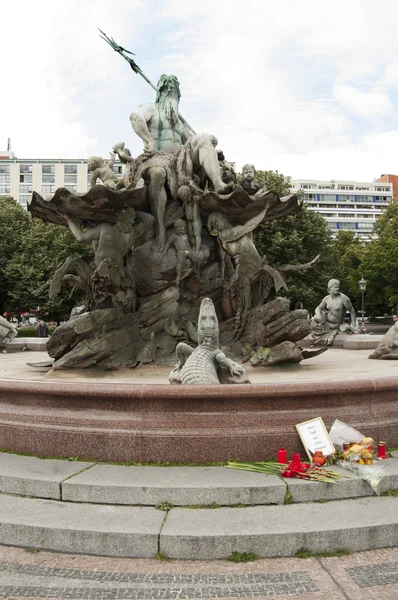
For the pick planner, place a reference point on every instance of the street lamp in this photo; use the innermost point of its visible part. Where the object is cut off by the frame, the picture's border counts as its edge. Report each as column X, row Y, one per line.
column 362, row 286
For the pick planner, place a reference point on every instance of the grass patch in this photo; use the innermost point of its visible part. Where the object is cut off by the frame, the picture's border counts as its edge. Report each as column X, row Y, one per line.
column 68, row 458
column 321, row 501
column 288, row 498
column 161, row 556
column 31, row 550
column 164, row 505
column 134, row 463
column 305, row 553
column 194, row 506
column 239, row 557
column 390, row 493
column 130, row 463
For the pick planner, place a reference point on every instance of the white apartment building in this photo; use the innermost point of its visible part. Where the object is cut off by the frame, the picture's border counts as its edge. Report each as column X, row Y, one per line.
column 351, row 205
column 20, row 177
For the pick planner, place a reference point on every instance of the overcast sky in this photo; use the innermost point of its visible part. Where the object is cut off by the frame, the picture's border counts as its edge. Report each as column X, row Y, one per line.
column 309, row 88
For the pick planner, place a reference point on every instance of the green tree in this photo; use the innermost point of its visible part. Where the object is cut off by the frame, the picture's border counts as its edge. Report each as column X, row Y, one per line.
column 349, row 253
column 379, row 265
column 14, row 223
column 297, row 239
column 273, row 180
column 43, row 249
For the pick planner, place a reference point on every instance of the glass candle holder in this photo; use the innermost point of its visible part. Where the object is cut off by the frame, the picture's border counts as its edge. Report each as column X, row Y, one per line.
column 296, row 460
column 382, row 450
column 282, row 456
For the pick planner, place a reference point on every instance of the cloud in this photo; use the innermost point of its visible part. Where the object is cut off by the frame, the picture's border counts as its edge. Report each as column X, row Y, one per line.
column 367, row 104
column 307, row 88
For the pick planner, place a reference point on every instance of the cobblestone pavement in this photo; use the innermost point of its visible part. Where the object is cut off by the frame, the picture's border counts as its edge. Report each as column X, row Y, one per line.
column 32, row 575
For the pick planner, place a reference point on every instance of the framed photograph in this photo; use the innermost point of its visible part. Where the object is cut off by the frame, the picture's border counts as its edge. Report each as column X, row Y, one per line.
column 314, row 436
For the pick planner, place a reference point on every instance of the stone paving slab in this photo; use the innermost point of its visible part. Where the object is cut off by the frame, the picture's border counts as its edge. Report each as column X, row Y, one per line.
column 31, row 476
column 281, row 530
column 111, row 484
column 90, row 529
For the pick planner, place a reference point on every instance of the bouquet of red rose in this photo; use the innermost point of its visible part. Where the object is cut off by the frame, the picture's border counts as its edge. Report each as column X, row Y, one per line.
column 300, row 470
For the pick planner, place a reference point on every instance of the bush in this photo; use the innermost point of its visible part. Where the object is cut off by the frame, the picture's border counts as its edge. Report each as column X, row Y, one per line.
column 32, row 331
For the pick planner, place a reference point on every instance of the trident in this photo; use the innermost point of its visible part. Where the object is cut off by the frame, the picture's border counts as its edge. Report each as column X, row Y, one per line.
column 123, row 52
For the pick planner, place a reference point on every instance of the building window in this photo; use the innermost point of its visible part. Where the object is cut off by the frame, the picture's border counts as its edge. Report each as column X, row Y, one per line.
column 4, row 168
column 364, row 198
column 70, row 179
column 345, row 198
column 48, row 178
column 24, row 189
column 365, row 226
column 309, row 196
column 25, row 179
column 332, row 224
column 48, row 169
column 24, row 199
column 382, row 199
column 4, row 189
column 117, row 169
column 71, row 188
column 70, row 169
column 4, row 178
column 348, row 225
column 25, row 168
column 327, row 197
column 48, row 189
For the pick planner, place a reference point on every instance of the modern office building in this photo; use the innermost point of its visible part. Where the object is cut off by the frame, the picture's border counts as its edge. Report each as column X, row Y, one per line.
column 350, row 205
column 20, row 177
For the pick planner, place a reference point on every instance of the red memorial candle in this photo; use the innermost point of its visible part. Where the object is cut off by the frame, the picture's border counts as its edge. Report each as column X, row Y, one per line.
column 296, row 459
column 382, row 450
column 282, row 456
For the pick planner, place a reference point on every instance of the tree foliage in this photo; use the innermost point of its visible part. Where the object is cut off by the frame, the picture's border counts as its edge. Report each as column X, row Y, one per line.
column 297, row 239
column 14, row 223
column 379, row 265
column 33, row 250
column 274, row 181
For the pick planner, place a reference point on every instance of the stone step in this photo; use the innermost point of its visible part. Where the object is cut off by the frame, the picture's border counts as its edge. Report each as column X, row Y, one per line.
column 76, row 481
column 268, row 531
column 180, row 486
column 31, row 476
column 80, row 528
column 182, row 533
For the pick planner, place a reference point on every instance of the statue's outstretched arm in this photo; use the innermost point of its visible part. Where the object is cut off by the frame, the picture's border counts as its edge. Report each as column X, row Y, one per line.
column 183, row 350
column 234, row 233
column 111, row 162
column 227, row 363
column 319, row 308
column 94, row 178
column 7, row 324
column 348, row 306
column 83, row 236
column 139, row 119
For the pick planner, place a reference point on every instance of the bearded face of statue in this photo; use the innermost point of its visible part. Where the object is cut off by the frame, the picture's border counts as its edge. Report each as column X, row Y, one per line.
column 168, row 98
